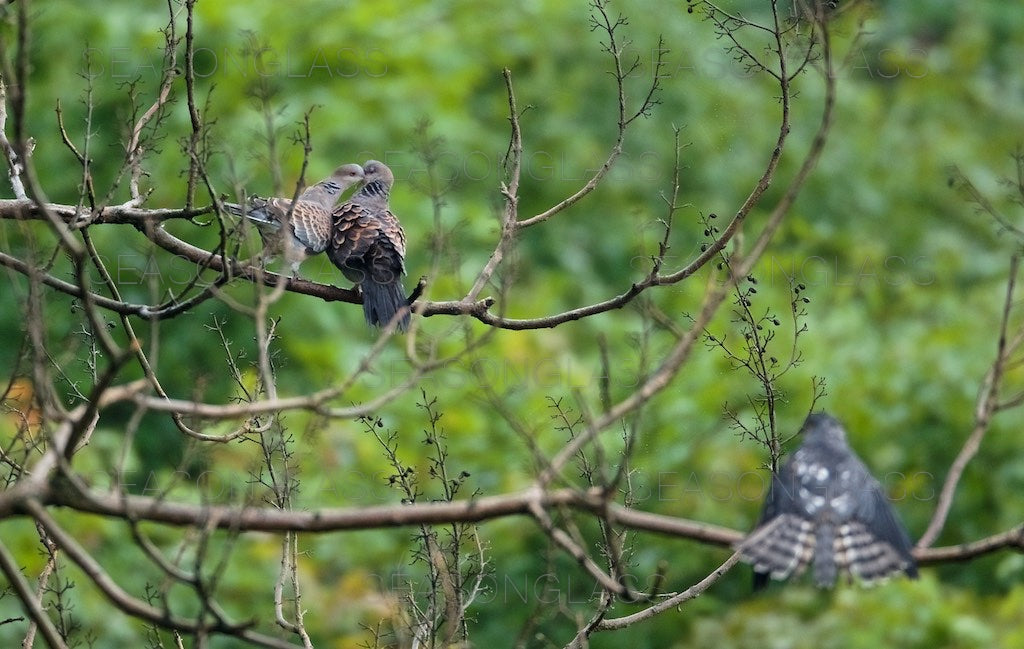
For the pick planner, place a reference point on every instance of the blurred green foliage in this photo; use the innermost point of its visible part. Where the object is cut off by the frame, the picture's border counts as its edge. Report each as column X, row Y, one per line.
column 905, row 281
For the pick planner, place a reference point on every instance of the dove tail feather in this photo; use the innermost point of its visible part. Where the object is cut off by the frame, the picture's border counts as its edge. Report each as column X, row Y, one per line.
column 381, row 302
column 256, row 212
column 233, row 208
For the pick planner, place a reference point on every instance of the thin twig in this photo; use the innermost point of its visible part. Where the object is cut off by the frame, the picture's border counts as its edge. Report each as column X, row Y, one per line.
column 28, row 599
column 986, row 406
column 671, row 602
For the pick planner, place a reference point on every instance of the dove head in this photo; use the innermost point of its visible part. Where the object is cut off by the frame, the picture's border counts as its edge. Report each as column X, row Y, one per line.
column 378, row 178
column 343, row 177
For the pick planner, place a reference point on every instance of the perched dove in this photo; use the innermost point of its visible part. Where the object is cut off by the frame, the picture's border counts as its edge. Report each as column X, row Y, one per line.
column 368, row 246
column 310, row 227
column 825, row 509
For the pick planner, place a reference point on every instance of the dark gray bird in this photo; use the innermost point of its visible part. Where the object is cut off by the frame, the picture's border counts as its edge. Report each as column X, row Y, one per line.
column 825, row 509
column 308, row 230
column 368, row 246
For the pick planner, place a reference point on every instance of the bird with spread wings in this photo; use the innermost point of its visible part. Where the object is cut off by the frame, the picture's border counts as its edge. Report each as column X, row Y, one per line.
column 826, row 510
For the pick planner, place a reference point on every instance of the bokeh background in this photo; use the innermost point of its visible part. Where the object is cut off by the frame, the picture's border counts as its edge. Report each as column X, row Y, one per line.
column 905, row 279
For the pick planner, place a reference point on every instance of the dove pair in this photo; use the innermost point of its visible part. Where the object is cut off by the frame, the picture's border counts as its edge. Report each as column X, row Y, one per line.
column 362, row 237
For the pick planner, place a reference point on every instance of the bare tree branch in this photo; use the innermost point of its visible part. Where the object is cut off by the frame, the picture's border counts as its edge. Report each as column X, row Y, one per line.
column 987, row 405
column 671, row 602
column 28, row 599
column 14, row 167
column 582, row 502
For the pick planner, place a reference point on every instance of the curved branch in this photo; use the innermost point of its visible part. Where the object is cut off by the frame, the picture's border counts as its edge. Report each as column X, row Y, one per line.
column 104, row 582
column 510, row 191
column 673, row 601
column 987, row 405
column 600, row 20
column 661, row 378
column 1010, row 539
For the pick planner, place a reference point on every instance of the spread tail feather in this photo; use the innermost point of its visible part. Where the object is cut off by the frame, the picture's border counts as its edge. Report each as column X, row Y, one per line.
column 779, row 549
column 381, row 302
